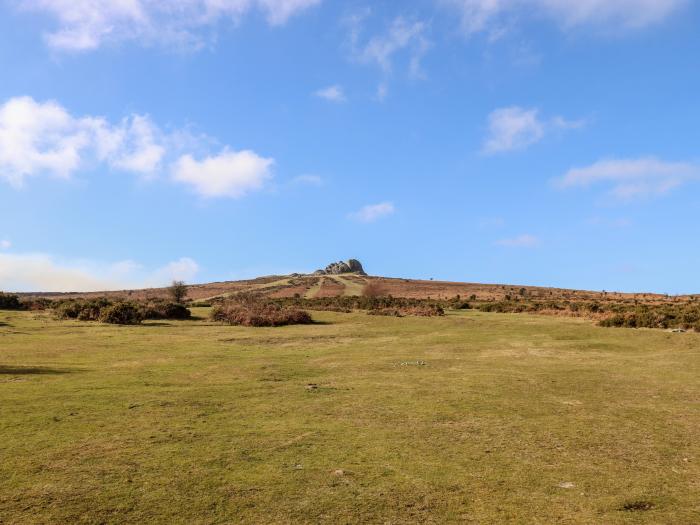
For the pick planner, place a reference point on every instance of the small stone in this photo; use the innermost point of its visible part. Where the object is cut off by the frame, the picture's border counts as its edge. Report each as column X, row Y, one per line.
column 566, row 485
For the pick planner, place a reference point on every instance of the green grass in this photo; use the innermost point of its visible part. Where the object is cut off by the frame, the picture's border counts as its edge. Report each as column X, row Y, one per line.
column 192, row 422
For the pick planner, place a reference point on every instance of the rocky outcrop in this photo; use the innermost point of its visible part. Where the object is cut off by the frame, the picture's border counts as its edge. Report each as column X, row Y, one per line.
column 340, row 267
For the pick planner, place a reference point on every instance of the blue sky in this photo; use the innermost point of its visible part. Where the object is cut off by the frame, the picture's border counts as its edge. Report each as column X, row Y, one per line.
column 541, row 142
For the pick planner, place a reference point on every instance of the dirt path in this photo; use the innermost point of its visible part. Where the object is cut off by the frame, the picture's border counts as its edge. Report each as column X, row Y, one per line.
column 351, row 287
column 311, row 293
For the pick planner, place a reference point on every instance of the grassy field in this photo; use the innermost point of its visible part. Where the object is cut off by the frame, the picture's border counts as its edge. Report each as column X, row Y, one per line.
column 470, row 418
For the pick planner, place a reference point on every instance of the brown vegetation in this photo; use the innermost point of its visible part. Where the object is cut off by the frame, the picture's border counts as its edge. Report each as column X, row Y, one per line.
column 374, row 288
column 252, row 311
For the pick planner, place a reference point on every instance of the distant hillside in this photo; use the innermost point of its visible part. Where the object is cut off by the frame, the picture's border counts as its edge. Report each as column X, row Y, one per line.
column 311, row 286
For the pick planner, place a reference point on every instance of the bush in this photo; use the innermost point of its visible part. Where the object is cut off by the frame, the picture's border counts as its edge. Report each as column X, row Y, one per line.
column 36, row 304
column 9, row 302
column 121, row 313
column 389, row 312
column 67, row 310
column 258, row 314
column 614, row 321
column 165, row 310
column 425, row 310
column 84, row 310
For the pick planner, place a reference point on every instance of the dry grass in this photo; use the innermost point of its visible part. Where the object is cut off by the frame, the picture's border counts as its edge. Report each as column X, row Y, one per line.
column 468, row 418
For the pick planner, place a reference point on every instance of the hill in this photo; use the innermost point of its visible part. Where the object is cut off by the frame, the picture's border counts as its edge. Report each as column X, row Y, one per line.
column 349, row 284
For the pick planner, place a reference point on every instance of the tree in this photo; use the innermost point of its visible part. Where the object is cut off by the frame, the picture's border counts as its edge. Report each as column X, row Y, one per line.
column 178, row 291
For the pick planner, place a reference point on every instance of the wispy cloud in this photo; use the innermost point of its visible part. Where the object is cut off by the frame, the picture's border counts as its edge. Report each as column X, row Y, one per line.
column 333, row 93
column 630, row 179
column 43, row 138
column 309, row 180
column 403, row 37
column 31, row 272
column 83, row 25
column 521, row 241
column 373, row 212
column 5, row 244
column 516, row 128
column 495, row 16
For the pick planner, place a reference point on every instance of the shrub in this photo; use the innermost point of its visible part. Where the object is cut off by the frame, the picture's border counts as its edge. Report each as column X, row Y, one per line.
column 422, row 310
column 258, row 314
column 617, row 320
column 84, row 310
column 67, row 310
column 165, row 310
column 121, row 313
column 36, row 304
column 9, row 302
column 389, row 312
column 425, row 310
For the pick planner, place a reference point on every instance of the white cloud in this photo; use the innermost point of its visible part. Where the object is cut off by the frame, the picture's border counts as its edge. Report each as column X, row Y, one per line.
column 229, row 174
column 515, row 128
column 88, row 24
column 40, row 272
column 42, row 137
column 332, row 93
column 521, row 241
column 632, row 178
column 5, row 244
column 184, row 269
column 492, row 16
column 373, row 212
column 142, row 146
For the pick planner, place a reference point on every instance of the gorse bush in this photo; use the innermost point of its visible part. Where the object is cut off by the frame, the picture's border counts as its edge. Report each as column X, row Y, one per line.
column 84, row 310
column 663, row 316
column 121, row 313
column 611, row 313
column 36, row 303
column 250, row 313
column 165, row 310
column 426, row 310
column 116, row 311
column 403, row 305
column 9, row 302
